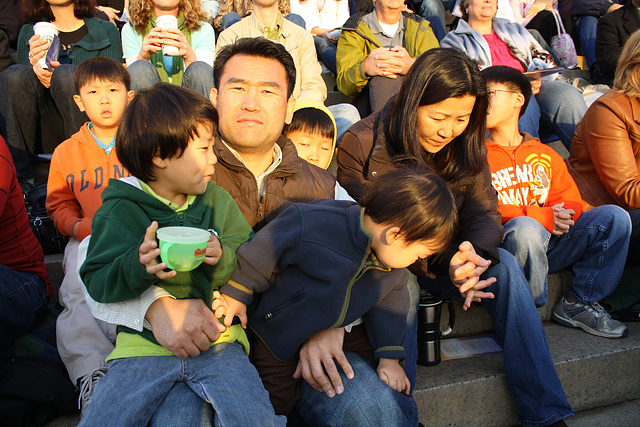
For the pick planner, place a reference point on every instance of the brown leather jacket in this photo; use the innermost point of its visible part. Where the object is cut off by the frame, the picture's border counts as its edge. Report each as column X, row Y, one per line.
column 605, row 152
column 293, row 181
column 363, row 153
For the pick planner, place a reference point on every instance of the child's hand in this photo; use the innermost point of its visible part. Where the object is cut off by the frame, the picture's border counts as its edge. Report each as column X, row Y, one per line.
column 391, row 373
column 214, row 251
column 224, row 305
column 563, row 219
column 148, row 254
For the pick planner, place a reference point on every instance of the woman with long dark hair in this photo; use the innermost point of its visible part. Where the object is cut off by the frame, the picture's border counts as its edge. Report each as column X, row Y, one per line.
column 36, row 102
column 438, row 118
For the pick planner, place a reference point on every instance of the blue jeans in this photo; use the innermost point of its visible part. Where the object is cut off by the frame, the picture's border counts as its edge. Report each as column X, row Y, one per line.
column 230, row 18
column 633, row 257
column 326, row 52
column 560, row 107
column 198, row 76
column 433, row 11
column 596, row 248
column 529, row 369
column 586, row 28
column 26, row 103
column 345, row 116
column 135, row 387
column 366, row 401
column 22, row 303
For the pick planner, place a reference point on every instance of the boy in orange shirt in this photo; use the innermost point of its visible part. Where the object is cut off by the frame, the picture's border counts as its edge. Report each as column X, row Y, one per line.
column 544, row 225
column 80, row 170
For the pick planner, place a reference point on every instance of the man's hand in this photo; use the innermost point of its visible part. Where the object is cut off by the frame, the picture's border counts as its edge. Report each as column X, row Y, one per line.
column 387, row 62
column 148, row 254
column 465, row 269
column 185, row 326
column 563, row 219
column 317, row 365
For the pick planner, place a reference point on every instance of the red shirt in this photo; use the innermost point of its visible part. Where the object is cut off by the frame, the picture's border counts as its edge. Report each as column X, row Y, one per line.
column 19, row 248
column 500, row 53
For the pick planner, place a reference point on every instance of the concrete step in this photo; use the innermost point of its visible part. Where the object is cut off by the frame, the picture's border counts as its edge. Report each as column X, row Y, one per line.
column 595, row 372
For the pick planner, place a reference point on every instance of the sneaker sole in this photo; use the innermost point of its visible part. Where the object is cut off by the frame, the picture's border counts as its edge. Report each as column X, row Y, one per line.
column 573, row 324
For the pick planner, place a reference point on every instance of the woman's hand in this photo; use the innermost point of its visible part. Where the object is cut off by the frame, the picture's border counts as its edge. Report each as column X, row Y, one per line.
column 111, row 13
column 465, row 269
column 151, row 43
column 37, row 50
column 174, row 37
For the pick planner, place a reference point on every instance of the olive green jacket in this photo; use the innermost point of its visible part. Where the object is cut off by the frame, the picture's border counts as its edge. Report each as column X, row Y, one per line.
column 357, row 41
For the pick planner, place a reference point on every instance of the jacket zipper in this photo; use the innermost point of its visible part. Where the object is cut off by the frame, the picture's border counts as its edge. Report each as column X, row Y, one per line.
column 293, row 300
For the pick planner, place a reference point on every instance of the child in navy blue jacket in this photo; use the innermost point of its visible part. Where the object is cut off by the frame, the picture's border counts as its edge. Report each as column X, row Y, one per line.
column 328, row 263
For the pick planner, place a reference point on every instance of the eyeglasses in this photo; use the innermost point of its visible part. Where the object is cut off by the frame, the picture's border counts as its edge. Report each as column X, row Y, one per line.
column 492, row 92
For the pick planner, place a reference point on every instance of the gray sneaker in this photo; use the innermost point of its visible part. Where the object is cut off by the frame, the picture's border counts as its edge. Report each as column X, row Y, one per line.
column 86, row 385
column 591, row 318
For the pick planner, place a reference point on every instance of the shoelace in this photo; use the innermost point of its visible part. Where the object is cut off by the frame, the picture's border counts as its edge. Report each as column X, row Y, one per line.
column 600, row 311
column 87, row 384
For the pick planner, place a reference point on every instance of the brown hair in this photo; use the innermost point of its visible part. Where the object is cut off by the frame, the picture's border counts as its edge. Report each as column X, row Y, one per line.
column 160, row 122
column 39, row 10
column 627, row 78
column 103, row 69
column 140, row 14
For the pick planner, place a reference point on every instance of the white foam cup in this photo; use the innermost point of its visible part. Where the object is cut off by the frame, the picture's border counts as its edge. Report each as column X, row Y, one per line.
column 167, row 21
column 45, row 30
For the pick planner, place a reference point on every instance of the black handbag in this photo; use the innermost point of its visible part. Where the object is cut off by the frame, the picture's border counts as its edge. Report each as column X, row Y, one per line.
column 51, row 240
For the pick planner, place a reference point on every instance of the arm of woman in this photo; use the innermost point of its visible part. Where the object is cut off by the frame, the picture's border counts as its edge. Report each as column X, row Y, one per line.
column 480, row 224
column 610, row 148
column 204, row 43
column 352, row 160
column 114, row 50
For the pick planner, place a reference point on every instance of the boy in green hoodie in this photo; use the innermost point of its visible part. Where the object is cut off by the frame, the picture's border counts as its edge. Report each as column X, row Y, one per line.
column 165, row 141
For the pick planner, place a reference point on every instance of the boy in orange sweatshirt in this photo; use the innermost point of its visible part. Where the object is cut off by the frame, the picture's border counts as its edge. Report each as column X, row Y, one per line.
column 544, row 225
column 80, row 170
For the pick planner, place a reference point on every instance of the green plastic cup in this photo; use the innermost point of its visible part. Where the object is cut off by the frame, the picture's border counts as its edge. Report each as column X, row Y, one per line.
column 182, row 248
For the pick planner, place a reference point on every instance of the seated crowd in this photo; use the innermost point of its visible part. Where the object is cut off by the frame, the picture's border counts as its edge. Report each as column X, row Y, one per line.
column 211, row 114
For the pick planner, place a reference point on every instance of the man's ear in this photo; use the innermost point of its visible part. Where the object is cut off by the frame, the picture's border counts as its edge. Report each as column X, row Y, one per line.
column 78, row 102
column 130, row 96
column 213, row 96
column 291, row 106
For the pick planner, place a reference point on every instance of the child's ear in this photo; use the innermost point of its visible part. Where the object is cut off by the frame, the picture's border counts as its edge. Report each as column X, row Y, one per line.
column 519, row 100
column 78, row 102
column 130, row 95
column 213, row 96
column 391, row 234
column 291, row 106
column 159, row 163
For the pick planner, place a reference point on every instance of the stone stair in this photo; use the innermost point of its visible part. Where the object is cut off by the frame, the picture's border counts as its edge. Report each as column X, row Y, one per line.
column 595, row 372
